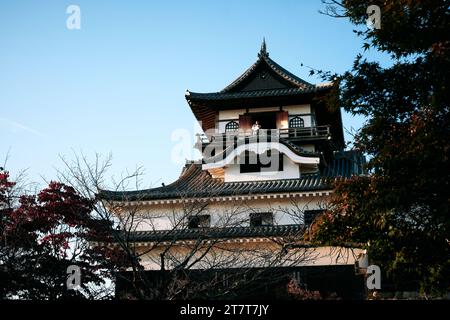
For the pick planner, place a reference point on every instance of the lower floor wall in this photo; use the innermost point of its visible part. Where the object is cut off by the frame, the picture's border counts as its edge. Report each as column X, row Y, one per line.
column 284, row 283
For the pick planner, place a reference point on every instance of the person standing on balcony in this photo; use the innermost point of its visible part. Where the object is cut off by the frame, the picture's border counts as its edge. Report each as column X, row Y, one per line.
column 255, row 128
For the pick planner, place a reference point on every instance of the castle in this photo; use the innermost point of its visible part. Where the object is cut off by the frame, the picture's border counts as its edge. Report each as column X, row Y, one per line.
column 239, row 219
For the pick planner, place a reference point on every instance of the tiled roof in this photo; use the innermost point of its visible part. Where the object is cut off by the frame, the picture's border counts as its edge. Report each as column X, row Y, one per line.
column 197, row 183
column 263, row 57
column 300, row 151
column 283, row 92
column 216, row 233
column 294, row 85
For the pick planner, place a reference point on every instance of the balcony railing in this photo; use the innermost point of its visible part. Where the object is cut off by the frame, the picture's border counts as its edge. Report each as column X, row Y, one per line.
column 296, row 134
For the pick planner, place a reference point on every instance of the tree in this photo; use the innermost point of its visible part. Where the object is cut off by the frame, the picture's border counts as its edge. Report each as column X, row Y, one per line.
column 42, row 235
column 401, row 209
column 202, row 266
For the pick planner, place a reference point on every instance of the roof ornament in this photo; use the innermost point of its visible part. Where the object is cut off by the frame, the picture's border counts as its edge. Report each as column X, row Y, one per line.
column 263, row 51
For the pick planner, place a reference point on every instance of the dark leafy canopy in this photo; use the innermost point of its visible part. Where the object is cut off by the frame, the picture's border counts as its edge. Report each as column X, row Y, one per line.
column 41, row 235
column 402, row 209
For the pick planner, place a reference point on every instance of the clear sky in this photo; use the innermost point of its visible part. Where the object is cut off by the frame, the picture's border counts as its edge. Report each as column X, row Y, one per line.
column 117, row 85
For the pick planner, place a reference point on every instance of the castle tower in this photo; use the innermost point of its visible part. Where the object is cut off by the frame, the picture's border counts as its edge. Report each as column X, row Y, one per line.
column 271, row 150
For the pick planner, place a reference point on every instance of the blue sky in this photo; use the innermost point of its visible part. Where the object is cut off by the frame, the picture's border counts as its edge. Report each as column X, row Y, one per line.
column 117, row 85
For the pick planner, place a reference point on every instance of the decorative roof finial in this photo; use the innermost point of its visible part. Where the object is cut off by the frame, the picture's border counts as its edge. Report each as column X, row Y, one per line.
column 263, row 51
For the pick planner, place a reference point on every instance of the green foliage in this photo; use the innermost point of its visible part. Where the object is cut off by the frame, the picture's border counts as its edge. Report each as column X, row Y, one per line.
column 401, row 210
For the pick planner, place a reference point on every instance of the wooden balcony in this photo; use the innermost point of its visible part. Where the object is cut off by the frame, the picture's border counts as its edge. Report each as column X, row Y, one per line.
column 294, row 134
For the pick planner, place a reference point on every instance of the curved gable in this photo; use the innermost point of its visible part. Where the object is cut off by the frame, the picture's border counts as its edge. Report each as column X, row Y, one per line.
column 260, row 148
column 265, row 74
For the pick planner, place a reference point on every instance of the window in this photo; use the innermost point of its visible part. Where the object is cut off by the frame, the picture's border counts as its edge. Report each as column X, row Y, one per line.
column 258, row 219
column 232, row 126
column 272, row 161
column 296, row 122
column 201, row 221
column 310, row 215
column 249, row 162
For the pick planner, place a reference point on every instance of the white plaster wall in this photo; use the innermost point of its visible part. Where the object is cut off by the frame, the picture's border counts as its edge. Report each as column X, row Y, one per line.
column 292, row 109
column 248, row 255
column 298, row 109
column 304, row 109
column 230, row 114
column 229, row 213
column 290, row 171
column 265, row 109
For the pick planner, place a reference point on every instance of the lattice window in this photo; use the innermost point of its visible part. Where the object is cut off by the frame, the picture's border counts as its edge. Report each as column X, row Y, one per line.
column 296, row 122
column 271, row 161
column 310, row 215
column 199, row 221
column 232, row 126
column 258, row 219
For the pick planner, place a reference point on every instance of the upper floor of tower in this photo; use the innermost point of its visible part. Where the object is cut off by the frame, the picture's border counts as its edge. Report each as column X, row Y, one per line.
column 269, row 100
